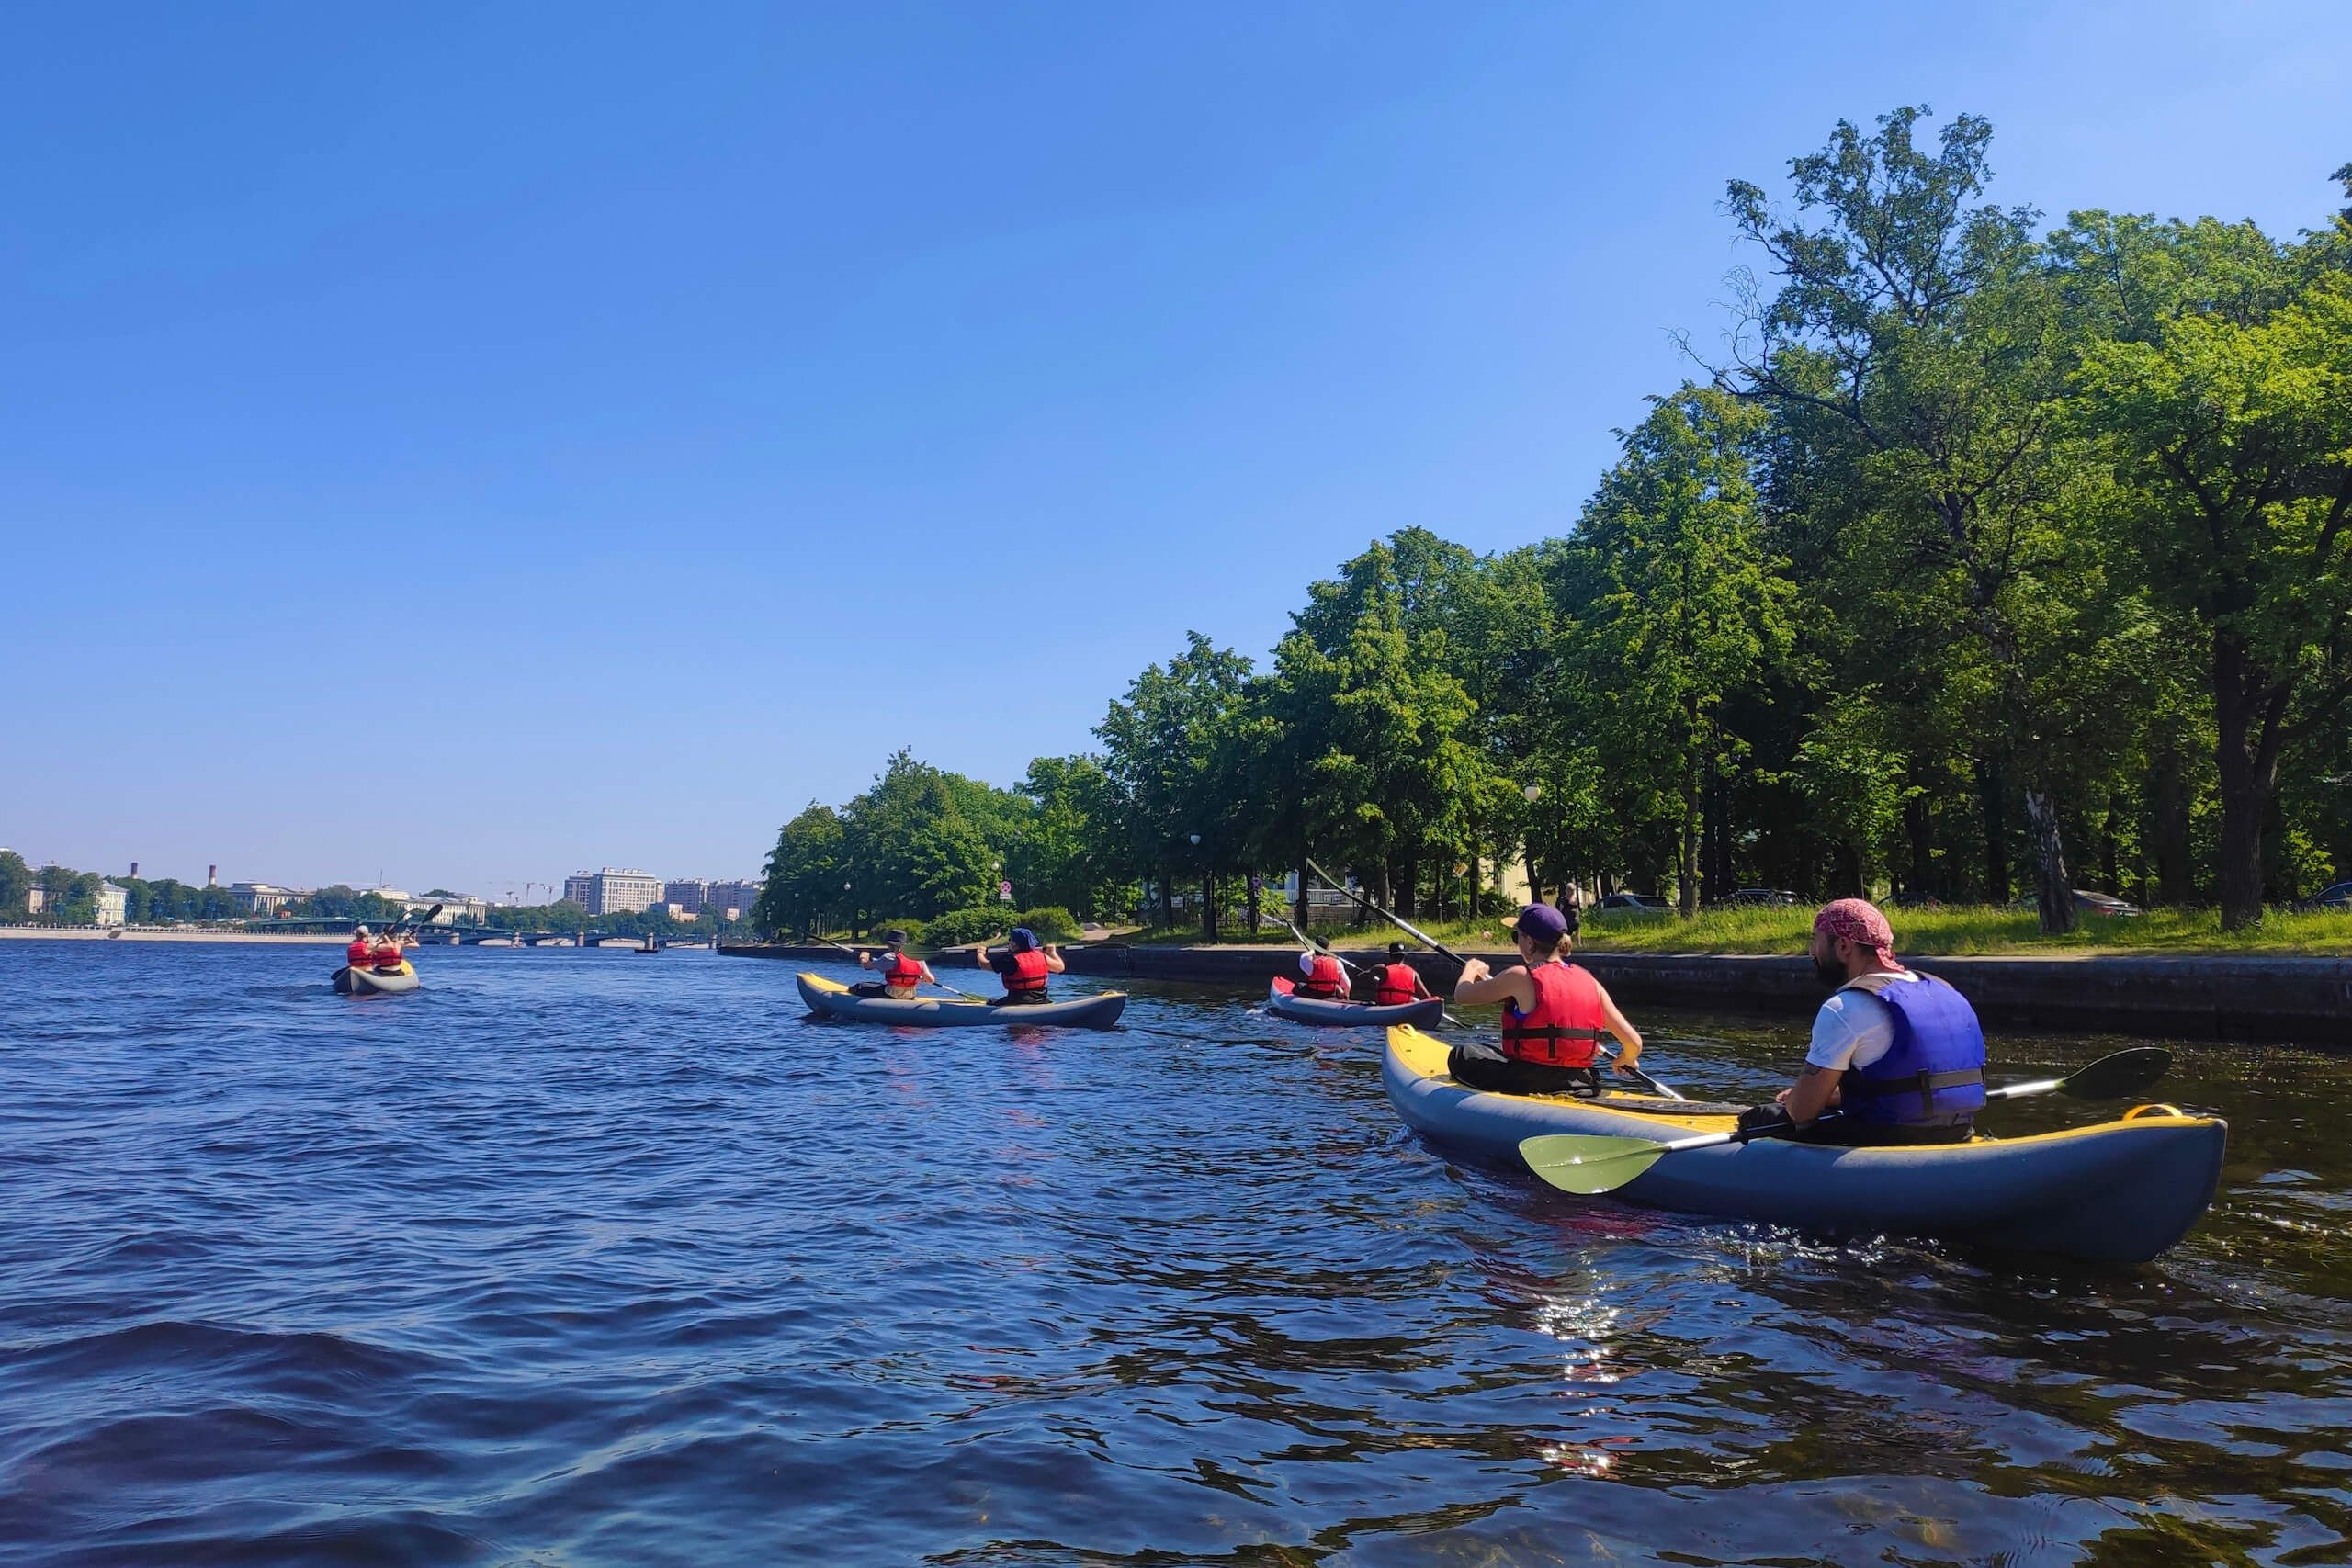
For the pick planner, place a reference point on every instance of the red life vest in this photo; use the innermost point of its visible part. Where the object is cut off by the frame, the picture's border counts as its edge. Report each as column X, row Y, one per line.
column 1325, row 979
column 1397, row 985
column 1028, row 974
column 357, row 954
column 388, row 955
column 903, row 971
column 1564, row 1027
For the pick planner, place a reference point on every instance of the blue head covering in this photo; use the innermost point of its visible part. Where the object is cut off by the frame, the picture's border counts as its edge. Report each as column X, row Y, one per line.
column 1024, row 938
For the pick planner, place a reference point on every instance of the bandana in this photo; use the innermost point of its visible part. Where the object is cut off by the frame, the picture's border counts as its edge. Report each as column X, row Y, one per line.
column 1859, row 921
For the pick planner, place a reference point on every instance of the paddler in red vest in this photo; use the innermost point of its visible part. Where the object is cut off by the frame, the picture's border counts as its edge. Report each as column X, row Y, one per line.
column 1321, row 976
column 1399, row 982
column 385, row 953
column 1024, row 966
column 903, row 974
column 360, row 954
column 1554, row 1014
column 1900, row 1054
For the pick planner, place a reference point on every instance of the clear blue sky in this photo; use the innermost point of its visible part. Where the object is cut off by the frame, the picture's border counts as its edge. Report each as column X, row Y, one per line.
column 476, row 442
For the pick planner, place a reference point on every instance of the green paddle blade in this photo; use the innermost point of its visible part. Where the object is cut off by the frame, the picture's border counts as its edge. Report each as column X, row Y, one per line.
column 1579, row 1163
column 2112, row 1077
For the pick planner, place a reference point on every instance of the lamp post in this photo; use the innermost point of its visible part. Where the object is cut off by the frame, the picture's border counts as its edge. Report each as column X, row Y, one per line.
column 1531, row 794
column 1208, row 896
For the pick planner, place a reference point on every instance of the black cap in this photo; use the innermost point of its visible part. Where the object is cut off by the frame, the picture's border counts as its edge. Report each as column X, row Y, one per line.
column 1396, row 950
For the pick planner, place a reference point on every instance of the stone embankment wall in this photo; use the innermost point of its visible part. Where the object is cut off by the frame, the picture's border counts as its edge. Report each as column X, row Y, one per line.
column 2298, row 1000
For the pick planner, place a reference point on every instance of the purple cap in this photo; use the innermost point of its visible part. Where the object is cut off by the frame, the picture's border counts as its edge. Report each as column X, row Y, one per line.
column 1542, row 922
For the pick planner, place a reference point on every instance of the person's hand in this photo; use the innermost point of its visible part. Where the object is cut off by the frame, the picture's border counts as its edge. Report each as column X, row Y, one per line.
column 1474, row 970
column 1782, row 1098
column 1624, row 1065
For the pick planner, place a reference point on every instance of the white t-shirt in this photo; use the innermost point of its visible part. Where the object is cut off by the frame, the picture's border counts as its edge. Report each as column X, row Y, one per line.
column 1853, row 1029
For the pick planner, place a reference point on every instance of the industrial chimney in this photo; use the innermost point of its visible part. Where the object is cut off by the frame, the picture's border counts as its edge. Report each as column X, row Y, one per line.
column 135, row 871
column 212, row 876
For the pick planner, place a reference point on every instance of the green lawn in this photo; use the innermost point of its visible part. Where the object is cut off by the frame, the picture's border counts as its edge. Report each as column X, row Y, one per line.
column 1926, row 932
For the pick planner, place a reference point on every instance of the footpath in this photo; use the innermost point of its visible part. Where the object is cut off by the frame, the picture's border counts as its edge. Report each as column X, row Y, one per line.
column 2305, row 1001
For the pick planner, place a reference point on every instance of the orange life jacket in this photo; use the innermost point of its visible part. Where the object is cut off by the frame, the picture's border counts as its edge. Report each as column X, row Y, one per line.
column 357, row 954
column 1397, row 985
column 1028, row 975
column 1563, row 1030
column 903, row 971
column 1325, row 979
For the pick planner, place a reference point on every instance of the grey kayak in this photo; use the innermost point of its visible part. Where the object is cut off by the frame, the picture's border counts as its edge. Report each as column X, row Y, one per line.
column 827, row 999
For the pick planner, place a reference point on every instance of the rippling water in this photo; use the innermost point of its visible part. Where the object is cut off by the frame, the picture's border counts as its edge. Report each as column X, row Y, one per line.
column 580, row 1258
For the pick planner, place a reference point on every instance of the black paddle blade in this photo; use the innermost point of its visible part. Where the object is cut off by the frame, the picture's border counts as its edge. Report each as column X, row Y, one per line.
column 2112, row 1077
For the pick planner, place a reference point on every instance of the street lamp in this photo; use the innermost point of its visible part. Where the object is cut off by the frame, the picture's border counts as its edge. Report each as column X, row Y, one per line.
column 1531, row 792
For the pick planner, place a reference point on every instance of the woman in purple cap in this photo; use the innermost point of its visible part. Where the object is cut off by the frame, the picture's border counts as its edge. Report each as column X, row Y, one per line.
column 1554, row 1014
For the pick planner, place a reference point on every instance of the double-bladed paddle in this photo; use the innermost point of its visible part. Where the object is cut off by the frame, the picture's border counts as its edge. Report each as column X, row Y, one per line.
column 1669, row 1090
column 854, row 953
column 1589, row 1165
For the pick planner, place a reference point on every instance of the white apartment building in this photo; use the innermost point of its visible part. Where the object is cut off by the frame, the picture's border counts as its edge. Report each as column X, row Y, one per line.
column 111, row 902
column 262, row 898
column 613, row 891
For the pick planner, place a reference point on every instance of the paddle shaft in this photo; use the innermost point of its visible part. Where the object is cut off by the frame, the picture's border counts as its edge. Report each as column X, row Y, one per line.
column 2109, row 1077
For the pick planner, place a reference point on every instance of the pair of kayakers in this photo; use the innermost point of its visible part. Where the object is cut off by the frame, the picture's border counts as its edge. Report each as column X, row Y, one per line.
column 379, row 950
column 1900, row 1056
column 1024, row 967
column 1322, row 978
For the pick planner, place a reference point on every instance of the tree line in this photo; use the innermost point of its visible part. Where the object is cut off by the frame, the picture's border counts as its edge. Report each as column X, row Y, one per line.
column 1983, row 557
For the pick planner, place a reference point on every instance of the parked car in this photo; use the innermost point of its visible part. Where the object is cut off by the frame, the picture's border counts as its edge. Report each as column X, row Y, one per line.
column 2088, row 902
column 1634, row 901
column 2338, row 899
column 1911, row 900
column 1764, row 896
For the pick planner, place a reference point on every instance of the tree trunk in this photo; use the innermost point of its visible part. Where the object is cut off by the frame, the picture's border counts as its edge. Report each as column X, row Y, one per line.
column 1255, row 882
column 1167, row 900
column 1992, row 797
column 1918, row 823
column 1477, row 888
column 2053, row 891
column 2107, row 867
column 1298, row 909
column 1846, row 875
column 1406, row 880
column 2245, row 710
column 1686, row 896
column 1209, row 903
column 2175, row 882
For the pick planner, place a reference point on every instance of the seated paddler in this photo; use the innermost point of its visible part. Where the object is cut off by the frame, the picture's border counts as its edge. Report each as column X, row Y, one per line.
column 1320, row 977
column 1396, row 982
column 1897, row 1053
column 386, row 953
column 1024, row 967
column 903, row 974
column 361, row 953
column 1553, row 1016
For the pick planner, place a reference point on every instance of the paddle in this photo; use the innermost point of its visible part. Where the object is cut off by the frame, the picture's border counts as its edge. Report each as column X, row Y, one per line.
column 943, row 984
column 1666, row 1089
column 1579, row 1163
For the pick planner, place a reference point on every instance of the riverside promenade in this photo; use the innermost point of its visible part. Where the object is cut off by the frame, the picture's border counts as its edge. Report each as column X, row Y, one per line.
column 2304, row 1001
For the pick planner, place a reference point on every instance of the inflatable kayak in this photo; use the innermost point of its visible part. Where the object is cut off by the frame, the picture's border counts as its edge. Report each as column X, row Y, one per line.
column 1281, row 1002
column 828, row 999
column 2120, row 1191
column 353, row 982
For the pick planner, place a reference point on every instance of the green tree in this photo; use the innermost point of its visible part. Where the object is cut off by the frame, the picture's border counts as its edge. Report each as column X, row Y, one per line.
column 1167, row 751
column 2226, row 391
column 803, row 879
column 1684, row 606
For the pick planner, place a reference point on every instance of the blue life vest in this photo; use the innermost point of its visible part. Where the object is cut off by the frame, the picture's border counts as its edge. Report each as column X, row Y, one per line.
column 1933, row 1075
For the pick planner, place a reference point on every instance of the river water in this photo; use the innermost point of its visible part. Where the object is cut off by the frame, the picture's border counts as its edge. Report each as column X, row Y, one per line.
column 578, row 1258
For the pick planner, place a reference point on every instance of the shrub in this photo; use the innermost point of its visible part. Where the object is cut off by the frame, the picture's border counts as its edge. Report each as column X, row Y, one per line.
column 991, row 922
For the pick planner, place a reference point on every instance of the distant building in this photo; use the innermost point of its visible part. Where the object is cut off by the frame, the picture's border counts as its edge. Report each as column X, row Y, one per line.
column 110, row 901
column 36, row 900
column 733, row 900
column 612, row 891
column 261, row 899
column 689, row 896
column 455, row 908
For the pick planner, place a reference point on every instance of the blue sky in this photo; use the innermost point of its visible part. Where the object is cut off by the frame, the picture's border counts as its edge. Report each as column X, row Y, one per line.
column 471, row 443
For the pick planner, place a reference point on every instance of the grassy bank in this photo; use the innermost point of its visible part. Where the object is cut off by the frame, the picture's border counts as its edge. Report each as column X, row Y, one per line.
column 1924, row 931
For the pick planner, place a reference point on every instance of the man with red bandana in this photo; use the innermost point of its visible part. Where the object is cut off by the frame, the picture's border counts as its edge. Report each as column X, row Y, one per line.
column 1900, row 1055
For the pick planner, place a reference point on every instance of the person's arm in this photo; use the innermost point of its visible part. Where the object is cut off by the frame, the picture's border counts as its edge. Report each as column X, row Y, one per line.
column 1627, row 1035
column 980, row 954
column 865, row 959
column 928, row 975
column 1053, row 965
column 1422, row 991
column 1478, row 986
column 1837, row 1035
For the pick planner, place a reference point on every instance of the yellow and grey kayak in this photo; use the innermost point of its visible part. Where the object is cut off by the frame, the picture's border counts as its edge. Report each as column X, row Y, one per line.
column 2118, row 1191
